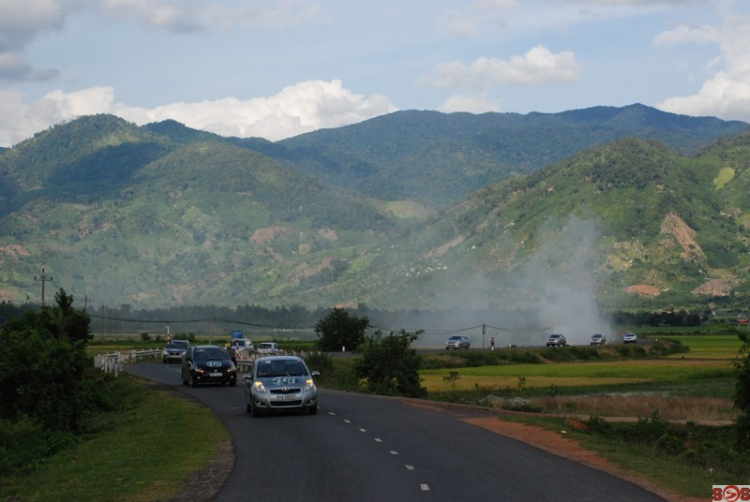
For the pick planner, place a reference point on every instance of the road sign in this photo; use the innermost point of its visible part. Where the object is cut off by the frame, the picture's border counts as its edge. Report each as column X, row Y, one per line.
column 237, row 333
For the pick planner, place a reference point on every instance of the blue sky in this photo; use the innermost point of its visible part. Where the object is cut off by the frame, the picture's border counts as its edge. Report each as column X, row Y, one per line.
column 278, row 68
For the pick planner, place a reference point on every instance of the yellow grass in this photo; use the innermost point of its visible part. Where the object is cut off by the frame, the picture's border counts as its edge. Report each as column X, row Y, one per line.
column 435, row 383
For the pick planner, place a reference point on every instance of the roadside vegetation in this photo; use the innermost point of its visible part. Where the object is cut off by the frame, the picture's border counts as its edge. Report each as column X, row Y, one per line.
column 674, row 409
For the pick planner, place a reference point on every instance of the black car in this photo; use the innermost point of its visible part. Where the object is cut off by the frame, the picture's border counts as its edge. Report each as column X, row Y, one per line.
column 208, row 364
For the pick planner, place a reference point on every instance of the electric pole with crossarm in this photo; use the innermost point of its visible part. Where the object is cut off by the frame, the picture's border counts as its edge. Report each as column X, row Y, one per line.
column 43, row 278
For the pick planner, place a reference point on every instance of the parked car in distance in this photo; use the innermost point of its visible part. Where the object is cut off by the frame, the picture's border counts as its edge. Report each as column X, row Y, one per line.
column 556, row 340
column 208, row 364
column 242, row 344
column 630, row 337
column 598, row 339
column 174, row 351
column 269, row 349
column 458, row 342
column 280, row 383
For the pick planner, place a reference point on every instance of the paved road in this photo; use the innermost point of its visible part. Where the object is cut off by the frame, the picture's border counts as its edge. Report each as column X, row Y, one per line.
column 364, row 448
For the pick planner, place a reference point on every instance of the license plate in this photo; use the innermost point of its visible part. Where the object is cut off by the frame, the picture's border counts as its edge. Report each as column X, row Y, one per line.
column 286, row 397
column 214, row 374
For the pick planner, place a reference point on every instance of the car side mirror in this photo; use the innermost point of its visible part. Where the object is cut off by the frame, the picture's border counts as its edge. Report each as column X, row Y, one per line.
column 315, row 373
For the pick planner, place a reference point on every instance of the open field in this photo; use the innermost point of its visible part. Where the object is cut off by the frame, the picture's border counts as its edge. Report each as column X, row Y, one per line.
column 708, row 347
column 579, row 374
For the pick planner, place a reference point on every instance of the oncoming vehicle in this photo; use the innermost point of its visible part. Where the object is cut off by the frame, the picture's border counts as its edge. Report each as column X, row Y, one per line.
column 174, row 351
column 458, row 342
column 630, row 337
column 556, row 340
column 269, row 349
column 208, row 364
column 598, row 339
column 280, row 383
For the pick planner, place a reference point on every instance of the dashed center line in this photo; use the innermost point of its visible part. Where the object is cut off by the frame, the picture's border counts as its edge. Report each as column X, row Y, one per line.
column 378, row 440
column 363, row 430
column 425, row 487
column 409, row 467
column 393, row 452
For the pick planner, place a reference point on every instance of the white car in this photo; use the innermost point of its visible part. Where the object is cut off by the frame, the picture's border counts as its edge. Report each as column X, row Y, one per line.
column 630, row 338
column 269, row 349
column 556, row 340
column 598, row 339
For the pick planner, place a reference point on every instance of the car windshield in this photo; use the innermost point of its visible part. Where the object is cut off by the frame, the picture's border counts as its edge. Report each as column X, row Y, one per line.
column 281, row 368
column 177, row 344
column 454, row 338
column 211, row 354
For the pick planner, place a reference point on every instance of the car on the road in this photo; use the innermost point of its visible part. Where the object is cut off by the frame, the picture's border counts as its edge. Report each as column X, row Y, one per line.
column 269, row 349
column 598, row 339
column 280, row 383
column 174, row 351
column 630, row 337
column 208, row 364
column 242, row 344
column 458, row 342
column 556, row 340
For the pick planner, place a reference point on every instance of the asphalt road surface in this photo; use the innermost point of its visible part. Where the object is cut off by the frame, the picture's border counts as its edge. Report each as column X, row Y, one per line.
column 365, row 448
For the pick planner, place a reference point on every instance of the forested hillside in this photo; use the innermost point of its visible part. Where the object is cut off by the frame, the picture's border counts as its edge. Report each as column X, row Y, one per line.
column 164, row 215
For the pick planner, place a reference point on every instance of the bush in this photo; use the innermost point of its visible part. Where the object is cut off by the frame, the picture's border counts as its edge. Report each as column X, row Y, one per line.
column 390, row 365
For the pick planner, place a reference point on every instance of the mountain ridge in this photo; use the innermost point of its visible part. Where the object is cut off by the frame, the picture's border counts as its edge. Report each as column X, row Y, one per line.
column 164, row 215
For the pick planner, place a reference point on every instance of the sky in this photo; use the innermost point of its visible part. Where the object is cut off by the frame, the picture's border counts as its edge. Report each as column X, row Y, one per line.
column 279, row 68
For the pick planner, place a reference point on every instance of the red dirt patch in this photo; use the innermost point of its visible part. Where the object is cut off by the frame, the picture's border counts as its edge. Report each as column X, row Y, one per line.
column 643, row 290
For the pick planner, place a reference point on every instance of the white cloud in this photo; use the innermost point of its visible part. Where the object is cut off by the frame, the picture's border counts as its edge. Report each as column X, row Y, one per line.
column 472, row 103
column 537, row 66
column 297, row 109
column 727, row 93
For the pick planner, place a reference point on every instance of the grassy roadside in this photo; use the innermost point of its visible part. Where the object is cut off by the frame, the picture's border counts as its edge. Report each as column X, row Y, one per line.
column 145, row 452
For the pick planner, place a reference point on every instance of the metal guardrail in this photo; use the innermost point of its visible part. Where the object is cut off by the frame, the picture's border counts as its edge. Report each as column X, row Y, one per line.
column 112, row 363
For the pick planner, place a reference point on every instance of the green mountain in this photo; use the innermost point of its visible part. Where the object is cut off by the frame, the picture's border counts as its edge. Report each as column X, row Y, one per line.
column 164, row 215
column 438, row 158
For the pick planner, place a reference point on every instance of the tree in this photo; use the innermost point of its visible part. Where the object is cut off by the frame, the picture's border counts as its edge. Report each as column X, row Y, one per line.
column 340, row 330
column 42, row 371
column 390, row 365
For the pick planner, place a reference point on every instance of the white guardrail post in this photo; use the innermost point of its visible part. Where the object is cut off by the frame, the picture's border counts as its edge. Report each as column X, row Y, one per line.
column 112, row 363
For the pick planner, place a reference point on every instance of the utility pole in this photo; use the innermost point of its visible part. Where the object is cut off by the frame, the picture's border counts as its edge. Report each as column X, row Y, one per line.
column 43, row 278
column 102, row 323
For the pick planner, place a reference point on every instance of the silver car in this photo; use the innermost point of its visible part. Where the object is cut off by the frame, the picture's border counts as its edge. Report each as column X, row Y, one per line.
column 458, row 342
column 174, row 351
column 280, row 383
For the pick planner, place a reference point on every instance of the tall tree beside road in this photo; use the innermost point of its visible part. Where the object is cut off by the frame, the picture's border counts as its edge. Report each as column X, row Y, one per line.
column 43, row 368
column 340, row 331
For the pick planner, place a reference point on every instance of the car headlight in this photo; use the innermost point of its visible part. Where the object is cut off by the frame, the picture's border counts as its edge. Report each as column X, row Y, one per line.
column 309, row 385
column 258, row 386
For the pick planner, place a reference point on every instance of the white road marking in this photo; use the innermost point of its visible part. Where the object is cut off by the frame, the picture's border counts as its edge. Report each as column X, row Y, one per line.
column 394, row 452
column 363, row 430
column 378, row 440
column 425, row 487
column 331, row 413
column 347, row 421
column 409, row 467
